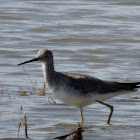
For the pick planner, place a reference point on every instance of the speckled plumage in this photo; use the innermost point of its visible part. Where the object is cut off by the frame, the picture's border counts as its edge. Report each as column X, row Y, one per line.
column 80, row 90
column 77, row 89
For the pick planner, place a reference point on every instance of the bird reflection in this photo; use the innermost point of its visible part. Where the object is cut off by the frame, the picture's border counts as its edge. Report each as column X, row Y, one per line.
column 75, row 134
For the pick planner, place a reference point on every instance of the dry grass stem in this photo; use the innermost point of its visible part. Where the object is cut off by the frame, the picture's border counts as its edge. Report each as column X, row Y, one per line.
column 42, row 91
column 1, row 91
column 8, row 94
column 76, row 134
column 22, row 92
column 21, row 121
column 27, row 74
column 34, row 87
column 51, row 101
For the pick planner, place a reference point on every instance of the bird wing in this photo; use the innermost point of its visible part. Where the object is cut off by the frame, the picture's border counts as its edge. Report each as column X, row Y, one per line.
column 86, row 84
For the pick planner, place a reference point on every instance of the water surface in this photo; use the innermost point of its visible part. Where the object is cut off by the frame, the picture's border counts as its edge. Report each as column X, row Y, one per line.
column 97, row 38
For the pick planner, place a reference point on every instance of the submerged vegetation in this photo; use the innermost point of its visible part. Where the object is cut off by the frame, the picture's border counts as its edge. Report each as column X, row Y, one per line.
column 21, row 116
column 75, row 134
column 22, row 120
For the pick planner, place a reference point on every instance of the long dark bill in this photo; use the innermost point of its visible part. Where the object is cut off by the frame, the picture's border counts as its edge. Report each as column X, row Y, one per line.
column 32, row 60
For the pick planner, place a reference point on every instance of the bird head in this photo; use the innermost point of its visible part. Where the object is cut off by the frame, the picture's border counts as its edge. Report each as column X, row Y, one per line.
column 44, row 56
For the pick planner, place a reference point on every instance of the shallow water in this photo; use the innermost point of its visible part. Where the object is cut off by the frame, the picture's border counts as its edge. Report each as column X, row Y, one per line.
column 97, row 38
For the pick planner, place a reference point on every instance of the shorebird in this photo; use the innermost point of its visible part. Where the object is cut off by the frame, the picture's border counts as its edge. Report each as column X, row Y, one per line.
column 77, row 89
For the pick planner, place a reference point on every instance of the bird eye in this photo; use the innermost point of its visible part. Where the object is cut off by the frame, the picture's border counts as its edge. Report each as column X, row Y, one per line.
column 46, row 56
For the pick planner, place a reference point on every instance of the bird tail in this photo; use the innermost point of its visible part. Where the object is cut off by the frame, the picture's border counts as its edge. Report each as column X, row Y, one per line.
column 131, row 86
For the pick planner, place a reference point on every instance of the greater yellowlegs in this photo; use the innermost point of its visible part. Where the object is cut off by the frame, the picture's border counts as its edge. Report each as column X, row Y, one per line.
column 80, row 90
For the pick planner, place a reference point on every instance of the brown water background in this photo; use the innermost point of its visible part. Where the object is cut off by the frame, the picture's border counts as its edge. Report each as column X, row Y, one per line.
column 97, row 38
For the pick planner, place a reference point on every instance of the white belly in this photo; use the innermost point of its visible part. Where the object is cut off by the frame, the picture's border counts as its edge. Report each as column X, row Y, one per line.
column 79, row 100
column 74, row 100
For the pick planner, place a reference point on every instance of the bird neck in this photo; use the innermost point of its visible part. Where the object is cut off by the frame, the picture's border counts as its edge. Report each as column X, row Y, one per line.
column 48, row 69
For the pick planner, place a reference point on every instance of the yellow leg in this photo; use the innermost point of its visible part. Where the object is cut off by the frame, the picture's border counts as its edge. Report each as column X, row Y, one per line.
column 111, row 110
column 82, row 118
